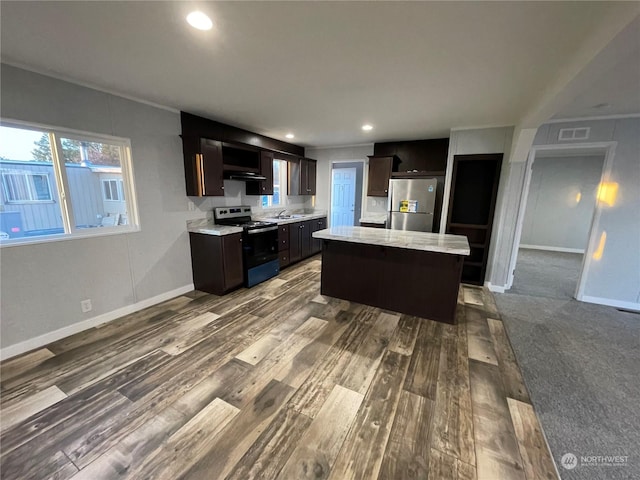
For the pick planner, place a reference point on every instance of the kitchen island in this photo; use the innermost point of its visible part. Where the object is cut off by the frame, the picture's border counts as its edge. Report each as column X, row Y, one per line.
column 416, row 273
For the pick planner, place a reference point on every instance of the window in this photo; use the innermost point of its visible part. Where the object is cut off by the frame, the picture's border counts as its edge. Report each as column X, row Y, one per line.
column 279, row 181
column 113, row 190
column 26, row 187
column 39, row 165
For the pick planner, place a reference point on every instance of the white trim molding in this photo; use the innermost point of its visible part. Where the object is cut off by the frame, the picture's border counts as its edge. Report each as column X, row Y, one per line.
column 552, row 249
column 612, row 303
column 92, row 86
column 494, row 288
column 47, row 338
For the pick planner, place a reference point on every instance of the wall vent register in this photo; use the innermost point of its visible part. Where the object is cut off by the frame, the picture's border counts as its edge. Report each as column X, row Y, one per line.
column 580, row 133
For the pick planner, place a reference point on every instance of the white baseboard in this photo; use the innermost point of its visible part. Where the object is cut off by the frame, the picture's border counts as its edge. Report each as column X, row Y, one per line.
column 553, row 249
column 611, row 303
column 42, row 340
column 494, row 288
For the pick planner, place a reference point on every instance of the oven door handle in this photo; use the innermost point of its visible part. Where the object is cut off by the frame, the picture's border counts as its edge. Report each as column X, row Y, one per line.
column 261, row 230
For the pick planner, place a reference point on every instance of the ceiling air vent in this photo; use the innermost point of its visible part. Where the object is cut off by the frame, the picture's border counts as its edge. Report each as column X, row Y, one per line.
column 581, row 133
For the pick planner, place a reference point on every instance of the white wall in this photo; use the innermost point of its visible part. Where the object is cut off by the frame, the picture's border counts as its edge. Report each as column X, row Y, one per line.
column 42, row 284
column 613, row 279
column 562, row 196
column 325, row 158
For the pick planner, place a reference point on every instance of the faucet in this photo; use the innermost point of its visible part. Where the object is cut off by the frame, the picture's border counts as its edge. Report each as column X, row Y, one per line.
column 280, row 213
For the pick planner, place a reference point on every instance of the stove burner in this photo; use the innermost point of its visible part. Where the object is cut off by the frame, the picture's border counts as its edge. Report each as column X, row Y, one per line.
column 239, row 217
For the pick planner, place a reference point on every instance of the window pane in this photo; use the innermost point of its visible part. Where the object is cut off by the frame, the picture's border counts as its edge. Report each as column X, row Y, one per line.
column 93, row 172
column 276, row 173
column 41, row 187
column 276, row 195
column 29, row 196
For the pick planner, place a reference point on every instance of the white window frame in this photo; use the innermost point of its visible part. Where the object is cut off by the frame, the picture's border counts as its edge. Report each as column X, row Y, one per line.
column 30, row 188
column 62, row 185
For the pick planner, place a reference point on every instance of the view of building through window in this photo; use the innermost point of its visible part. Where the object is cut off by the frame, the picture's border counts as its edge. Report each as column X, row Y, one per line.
column 90, row 171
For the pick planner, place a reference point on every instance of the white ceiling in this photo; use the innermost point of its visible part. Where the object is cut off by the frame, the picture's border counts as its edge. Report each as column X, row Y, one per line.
column 319, row 69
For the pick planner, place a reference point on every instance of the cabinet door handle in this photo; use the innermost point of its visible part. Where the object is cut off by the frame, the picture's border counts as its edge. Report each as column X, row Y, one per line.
column 200, row 174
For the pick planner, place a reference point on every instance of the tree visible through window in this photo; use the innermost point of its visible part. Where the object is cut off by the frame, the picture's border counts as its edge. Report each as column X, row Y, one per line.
column 92, row 170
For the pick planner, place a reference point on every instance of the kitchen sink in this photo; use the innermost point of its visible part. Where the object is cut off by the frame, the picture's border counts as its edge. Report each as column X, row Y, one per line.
column 287, row 217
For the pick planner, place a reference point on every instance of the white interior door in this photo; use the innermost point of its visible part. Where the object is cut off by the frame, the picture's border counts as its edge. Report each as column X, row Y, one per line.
column 343, row 196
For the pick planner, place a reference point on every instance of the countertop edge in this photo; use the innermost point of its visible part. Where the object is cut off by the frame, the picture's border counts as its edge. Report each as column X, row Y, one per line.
column 325, row 235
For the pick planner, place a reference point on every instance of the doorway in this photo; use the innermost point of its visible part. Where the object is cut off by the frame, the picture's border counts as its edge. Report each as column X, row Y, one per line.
column 555, row 231
column 346, row 193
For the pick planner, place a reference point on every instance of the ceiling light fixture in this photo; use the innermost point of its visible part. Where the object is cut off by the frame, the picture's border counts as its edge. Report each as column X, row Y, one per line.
column 199, row 20
column 290, row 135
column 367, row 127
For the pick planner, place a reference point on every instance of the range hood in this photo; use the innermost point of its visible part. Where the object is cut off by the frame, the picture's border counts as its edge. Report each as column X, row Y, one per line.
column 244, row 176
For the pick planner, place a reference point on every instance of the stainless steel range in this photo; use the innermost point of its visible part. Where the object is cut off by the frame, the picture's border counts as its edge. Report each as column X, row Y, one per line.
column 259, row 243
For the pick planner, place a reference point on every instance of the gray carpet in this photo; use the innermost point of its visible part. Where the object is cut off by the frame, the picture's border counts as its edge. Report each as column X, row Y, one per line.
column 581, row 364
column 546, row 274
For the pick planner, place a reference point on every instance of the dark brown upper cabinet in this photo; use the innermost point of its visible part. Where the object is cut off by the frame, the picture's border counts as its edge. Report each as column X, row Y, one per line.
column 263, row 187
column 308, row 178
column 380, row 168
column 302, row 174
column 416, row 158
column 203, row 168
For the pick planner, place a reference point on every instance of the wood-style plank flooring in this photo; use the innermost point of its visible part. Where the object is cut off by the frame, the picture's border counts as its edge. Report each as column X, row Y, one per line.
column 276, row 381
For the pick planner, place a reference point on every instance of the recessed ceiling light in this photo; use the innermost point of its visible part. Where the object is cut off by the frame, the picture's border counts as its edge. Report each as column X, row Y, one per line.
column 199, row 20
column 290, row 135
column 367, row 127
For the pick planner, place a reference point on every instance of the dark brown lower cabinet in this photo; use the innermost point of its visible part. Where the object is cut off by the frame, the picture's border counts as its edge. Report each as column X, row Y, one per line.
column 301, row 242
column 305, row 237
column 283, row 245
column 216, row 262
column 316, row 225
column 424, row 284
column 295, row 242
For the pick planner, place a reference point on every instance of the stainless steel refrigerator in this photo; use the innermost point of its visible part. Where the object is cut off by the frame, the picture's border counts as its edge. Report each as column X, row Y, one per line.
column 411, row 204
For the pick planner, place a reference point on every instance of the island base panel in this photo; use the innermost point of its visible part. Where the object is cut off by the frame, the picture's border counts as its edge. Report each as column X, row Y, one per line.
column 424, row 284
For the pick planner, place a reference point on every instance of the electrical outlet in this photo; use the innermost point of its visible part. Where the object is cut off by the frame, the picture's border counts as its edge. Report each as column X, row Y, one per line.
column 191, row 206
column 86, row 306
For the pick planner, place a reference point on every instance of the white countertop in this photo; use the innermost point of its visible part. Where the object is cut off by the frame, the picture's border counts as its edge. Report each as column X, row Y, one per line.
column 379, row 218
column 429, row 242
column 207, row 227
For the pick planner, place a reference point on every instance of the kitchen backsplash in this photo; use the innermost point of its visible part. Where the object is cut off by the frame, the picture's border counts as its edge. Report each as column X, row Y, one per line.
column 235, row 195
column 375, row 205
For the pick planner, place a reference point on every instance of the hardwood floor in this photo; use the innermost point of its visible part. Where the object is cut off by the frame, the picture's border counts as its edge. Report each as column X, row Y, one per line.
column 275, row 381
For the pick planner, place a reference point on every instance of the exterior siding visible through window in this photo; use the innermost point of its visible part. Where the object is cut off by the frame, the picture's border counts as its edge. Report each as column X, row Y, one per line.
column 26, row 187
column 93, row 171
